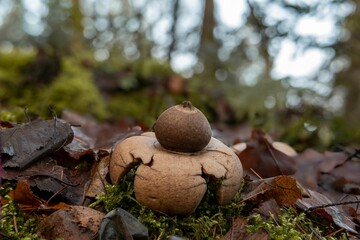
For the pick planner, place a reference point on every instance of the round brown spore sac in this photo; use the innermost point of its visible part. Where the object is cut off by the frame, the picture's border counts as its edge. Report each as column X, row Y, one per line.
column 183, row 128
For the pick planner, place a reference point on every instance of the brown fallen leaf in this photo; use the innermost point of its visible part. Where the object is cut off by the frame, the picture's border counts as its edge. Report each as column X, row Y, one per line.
column 27, row 143
column 24, row 196
column 72, row 223
column 238, row 231
column 98, row 180
column 268, row 208
column 260, row 156
column 50, row 178
column 283, row 189
column 90, row 135
column 311, row 164
column 29, row 202
column 322, row 206
column 349, row 170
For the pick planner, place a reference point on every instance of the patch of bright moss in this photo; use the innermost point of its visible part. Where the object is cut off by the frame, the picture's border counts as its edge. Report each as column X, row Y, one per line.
column 74, row 89
column 14, row 223
column 11, row 67
column 288, row 226
column 210, row 221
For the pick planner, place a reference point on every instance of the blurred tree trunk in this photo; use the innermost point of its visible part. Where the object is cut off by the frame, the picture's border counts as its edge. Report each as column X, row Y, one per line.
column 208, row 45
column 77, row 34
column 350, row 78
column 175, row 13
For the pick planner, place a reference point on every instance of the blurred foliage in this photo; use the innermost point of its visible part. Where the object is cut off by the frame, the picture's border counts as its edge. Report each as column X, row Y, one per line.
column 119, row 61
column 74, row 88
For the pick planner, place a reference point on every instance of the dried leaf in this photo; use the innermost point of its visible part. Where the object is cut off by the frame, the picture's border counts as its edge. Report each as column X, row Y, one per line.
column 238, row 231
column 72, row 223
column 51, row 178
column 27, row 143
column 332, row 213
column 267, row 208
column 119, row 224
column 349, row 170
column 93, row 136
column 29, row 202
column 98, row 181
column 264, row 159
column 24, row 196
column 283, row 189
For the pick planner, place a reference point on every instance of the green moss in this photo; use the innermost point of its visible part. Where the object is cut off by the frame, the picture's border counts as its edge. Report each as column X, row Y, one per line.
column 210, row 221
column 151, row 69
column 11, row 67
column 15, row 223
column 287, row 226
column 74, row 89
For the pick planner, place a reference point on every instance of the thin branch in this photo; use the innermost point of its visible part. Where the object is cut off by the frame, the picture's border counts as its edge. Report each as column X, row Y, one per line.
column 273, row 157
column 331, row 205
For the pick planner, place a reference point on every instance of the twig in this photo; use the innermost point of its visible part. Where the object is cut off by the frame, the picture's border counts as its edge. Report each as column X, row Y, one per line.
column 15, row 224
column 333, row 233
column 47, row 202
column 3, row 235
column 252, row 196
column 49, row 176
column 256, row 174
column 273, row 157
column 26, row 112
column 332, row 205
column 355, row 154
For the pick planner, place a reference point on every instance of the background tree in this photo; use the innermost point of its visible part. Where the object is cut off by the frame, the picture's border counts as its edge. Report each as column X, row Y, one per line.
column 232, row 71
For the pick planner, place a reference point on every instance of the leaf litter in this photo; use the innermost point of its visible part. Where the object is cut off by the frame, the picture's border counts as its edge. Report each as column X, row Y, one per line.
column 54, row 173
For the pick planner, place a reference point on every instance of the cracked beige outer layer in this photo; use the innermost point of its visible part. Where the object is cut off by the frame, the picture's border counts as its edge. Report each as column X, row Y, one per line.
column 172, row 183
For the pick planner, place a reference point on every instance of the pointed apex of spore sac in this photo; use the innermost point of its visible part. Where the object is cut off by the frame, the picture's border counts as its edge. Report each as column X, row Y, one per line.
column 183, row 128
column 187, row 104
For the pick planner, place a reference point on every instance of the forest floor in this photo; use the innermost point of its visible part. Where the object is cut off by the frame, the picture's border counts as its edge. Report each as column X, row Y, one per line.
column 55, row 183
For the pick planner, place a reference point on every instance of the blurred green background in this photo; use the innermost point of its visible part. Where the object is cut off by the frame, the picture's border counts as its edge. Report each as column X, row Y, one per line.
column 288, row 67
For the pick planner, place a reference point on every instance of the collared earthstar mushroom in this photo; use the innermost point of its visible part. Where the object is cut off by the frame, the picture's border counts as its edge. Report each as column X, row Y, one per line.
column 172, row 180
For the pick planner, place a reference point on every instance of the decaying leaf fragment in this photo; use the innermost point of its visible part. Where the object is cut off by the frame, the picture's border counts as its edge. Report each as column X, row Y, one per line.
column 73, row 223
column 27, row 143
column 29, row 202
column 120, row 224
column 283, row 189
column 238, row 231
column 334, row 213
column 260, row 155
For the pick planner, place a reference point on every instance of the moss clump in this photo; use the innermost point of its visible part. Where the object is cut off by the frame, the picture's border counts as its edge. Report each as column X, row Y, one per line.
column 210, row 221
column 14, row 223
column 287, row 226
column 74, row 89
column 151, row 69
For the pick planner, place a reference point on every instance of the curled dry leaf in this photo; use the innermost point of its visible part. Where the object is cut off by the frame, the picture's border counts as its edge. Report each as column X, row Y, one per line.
column 27, row 143
column 91, row 136
column 262, row 157
column 120, row 224
column 238, row 231
column 332, row 213
column 73, row 223
column 50, row 178
column 29, row 202
column 312, row 164
column 98, row 180
column 283, row 189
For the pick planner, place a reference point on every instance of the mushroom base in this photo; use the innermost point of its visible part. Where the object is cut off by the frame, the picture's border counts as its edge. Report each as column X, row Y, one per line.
column 171, row 183
column 167, row 191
